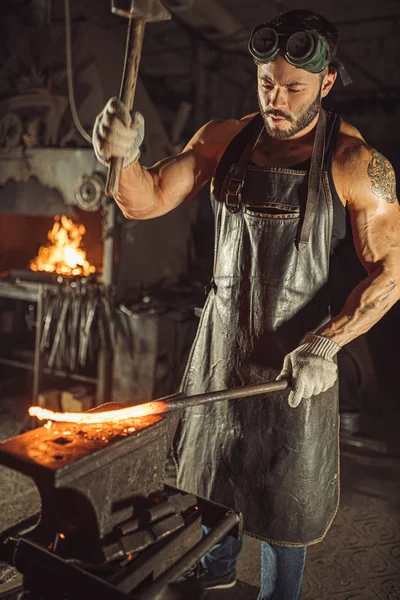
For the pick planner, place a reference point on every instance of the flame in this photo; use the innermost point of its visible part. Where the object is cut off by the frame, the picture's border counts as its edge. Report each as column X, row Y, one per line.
column 87, row 418
column 62, row 254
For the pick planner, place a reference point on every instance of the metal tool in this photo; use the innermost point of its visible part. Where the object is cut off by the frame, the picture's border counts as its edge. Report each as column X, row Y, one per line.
column 49, row 310
column 91, row 308
column 180, row 401
column 60, row 328
column 161, row 406
column 139, row 12
column 74, row 334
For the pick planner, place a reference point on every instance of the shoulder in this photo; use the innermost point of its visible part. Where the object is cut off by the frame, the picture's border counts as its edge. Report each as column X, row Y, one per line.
column 351, row 146
column 360, row 170
column 212, row 139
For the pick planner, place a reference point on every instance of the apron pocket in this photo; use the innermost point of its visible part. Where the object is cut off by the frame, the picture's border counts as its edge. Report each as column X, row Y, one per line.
column 272, row 210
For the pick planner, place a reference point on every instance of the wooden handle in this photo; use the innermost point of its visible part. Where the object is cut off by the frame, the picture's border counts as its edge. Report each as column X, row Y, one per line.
column 134, row 43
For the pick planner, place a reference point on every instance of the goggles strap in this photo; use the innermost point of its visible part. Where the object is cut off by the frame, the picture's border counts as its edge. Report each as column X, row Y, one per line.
column 314, row 180
column 341, row 69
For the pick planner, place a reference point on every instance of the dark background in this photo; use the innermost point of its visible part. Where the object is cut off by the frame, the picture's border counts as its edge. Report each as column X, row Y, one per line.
column 196, row 66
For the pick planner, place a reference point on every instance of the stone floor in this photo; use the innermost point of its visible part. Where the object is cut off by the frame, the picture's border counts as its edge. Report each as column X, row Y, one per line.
column 359, row 559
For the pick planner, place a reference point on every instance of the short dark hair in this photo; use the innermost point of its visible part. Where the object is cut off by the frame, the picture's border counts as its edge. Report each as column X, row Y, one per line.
column 309, row 19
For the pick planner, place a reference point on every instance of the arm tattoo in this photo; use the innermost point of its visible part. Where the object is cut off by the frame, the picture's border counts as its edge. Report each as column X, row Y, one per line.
column 383, row 182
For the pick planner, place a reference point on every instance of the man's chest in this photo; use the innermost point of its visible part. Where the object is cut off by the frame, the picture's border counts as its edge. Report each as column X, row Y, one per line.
column 282, row 157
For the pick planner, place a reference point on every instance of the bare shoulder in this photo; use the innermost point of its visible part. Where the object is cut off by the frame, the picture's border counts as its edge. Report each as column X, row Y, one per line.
column 212, row 139
column 351, row 146
column 359, row 170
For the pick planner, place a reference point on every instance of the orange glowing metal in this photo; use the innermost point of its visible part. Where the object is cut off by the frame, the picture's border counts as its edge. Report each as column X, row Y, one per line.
column 88, row 418
column 63, row 254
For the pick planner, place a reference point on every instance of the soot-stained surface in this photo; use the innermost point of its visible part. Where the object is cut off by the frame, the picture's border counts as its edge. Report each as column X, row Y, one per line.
column 57, row 445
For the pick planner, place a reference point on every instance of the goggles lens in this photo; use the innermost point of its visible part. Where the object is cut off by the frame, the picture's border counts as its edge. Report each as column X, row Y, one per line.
column 300, row 46
column 265, row 41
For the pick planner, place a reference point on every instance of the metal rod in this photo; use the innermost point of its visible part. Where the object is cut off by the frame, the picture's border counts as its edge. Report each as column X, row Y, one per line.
column 37, row 364
column 223, row 527
column 67, row 375
column 105, row 356
column 109, row 234
column 20, row 364
column 366, row 444
column 180, row 401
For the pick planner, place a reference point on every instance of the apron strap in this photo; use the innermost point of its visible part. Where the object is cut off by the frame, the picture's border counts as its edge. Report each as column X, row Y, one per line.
column 233, row 190
column 314, row 180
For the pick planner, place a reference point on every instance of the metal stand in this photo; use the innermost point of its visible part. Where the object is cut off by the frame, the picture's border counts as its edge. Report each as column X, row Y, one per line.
column 37, row 363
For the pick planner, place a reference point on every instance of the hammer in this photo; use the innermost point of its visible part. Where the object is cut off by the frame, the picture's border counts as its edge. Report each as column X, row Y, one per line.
column 137, row 14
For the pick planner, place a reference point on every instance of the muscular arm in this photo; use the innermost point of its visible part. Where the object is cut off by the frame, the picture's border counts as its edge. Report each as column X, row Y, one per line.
column 370, row 194
column 148, row 193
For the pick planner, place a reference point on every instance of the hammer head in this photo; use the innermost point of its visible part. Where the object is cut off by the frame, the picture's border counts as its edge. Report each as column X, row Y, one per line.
column 149, row 10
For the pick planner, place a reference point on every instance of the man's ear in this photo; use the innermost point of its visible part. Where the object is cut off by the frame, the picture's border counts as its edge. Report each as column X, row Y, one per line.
column 329, row 80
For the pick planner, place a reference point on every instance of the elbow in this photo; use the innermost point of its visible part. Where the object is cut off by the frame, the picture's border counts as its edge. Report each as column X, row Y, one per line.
column 129, row 214
column 133, row 214
column 130, row 211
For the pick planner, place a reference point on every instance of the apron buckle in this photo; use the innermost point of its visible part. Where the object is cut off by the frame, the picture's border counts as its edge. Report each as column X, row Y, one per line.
column 233, row 195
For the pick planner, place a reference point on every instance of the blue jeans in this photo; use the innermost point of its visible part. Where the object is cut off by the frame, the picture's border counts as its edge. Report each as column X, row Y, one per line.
column 281, row 566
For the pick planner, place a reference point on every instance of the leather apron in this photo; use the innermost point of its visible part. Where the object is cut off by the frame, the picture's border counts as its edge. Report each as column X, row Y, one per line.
column 277, row 465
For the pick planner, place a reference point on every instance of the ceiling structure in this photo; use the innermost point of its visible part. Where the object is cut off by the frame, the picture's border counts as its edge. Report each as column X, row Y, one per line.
column 201, row 56
column 196, row 67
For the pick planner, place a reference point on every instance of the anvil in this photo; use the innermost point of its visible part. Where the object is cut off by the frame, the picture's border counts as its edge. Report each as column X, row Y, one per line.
column 90, row 477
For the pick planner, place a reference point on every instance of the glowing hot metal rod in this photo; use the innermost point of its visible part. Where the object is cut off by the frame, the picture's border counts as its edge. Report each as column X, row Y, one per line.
column 161, row 406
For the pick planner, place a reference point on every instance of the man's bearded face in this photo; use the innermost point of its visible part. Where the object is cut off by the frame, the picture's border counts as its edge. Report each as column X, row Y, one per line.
column 289, row 98
column 298, row 121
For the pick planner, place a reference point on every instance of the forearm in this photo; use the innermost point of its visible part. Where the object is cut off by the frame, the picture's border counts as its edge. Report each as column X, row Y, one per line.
column 367, row 304
column 149, row 193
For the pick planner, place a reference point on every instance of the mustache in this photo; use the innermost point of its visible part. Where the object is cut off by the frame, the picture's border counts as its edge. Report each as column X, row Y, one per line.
column 277, row 113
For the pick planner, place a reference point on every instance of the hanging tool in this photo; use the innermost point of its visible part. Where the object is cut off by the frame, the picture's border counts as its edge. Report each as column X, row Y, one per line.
column 48, row 319
column 91, row 308
column 140, row 11
column 65, row 296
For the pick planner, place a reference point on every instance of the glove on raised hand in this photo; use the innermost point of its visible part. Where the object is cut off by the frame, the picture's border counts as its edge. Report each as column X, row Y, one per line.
column 310, row 368
column 117, row 133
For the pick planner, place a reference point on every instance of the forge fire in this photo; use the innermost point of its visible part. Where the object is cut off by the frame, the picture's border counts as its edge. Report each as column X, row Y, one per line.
column 63, row 253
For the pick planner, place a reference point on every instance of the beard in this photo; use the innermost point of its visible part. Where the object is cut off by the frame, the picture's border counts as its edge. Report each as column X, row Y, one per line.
column 301, row 121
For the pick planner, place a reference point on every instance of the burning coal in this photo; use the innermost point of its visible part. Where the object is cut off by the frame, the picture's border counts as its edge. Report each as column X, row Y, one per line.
column 63, row 254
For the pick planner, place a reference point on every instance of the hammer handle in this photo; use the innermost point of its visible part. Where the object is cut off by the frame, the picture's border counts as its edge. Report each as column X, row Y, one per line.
column 134, row 43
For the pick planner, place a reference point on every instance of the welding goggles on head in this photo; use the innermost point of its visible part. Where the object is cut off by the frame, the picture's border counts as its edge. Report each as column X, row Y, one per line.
column 304, row 49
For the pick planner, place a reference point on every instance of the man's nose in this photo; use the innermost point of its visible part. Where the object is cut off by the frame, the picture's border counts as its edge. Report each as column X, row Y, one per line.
column 278, row 98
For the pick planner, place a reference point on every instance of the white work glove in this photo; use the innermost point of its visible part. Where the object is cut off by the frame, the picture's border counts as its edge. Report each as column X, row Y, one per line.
column 310, row 368
column 117, row 133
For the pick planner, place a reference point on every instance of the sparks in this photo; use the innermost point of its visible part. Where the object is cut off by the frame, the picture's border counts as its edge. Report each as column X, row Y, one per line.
column 89, row 418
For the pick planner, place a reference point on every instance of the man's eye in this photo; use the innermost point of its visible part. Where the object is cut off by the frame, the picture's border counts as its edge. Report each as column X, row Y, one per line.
column 294, row 91
column 267, row 87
